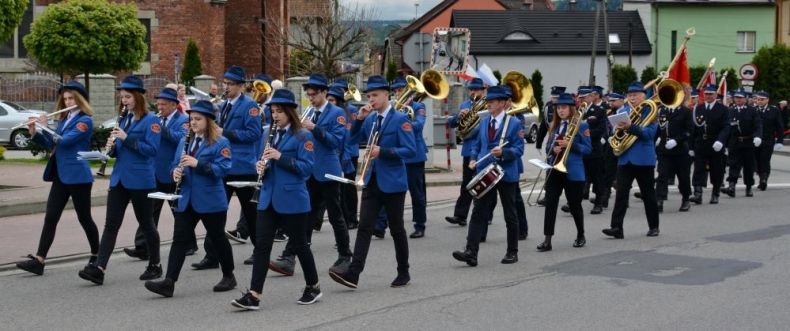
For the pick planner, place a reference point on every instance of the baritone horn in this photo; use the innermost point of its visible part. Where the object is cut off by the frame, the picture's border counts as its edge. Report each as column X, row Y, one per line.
column 260, row 87
column 431, row 83
column 352, row 94
column 523, row 95
column 667, row 92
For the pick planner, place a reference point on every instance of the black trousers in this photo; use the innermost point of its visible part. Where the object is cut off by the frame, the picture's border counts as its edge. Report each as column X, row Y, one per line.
column 742, row 157
column 556, row 182
column 593, row 169
column 117, row 200
column 248, row 209
column 644, row 176
column 482, row 210
column 294, row 226
column 184, row 232
column 139, row 238
column 764, row 153
column 464, row 199
column 609, row 170
column 521, row 212
column 712, row 162
column 669, row 167
column 373, row 199
column 348, row 197
column 325, row 194
column 59, row 194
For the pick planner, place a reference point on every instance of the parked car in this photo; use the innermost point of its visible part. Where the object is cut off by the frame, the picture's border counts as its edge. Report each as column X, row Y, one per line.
column 12, row 114
column 531, row 123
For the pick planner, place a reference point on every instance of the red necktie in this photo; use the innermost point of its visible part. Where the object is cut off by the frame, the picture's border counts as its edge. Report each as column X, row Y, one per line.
column 492, row 130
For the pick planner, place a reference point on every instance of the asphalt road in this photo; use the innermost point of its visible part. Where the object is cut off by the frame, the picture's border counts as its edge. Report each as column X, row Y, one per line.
column 717, row 267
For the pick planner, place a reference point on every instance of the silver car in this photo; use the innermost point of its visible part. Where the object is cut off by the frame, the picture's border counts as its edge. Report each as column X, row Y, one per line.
column 12, row 114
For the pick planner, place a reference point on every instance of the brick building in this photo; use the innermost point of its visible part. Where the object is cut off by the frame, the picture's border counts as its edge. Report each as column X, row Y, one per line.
column 243, row 32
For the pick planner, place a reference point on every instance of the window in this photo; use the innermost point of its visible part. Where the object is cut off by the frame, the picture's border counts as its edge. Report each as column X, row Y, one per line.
column 746, row 41
column 147, row 24
column 614, row 38
column 13, row 47
column 517, row 36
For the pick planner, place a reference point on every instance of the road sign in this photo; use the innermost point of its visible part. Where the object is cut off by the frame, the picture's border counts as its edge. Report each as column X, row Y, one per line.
column 747, row 82
column 748, row 71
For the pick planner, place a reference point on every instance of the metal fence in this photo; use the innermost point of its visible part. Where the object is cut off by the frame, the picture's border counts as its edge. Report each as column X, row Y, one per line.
column 38, row 90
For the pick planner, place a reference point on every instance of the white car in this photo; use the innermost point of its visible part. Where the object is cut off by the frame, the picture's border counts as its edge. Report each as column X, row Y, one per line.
column 12, row 114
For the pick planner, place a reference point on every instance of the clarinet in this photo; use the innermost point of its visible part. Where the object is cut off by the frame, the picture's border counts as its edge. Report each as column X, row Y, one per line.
column 269, row 142
column 187, row 142
column 103, row 167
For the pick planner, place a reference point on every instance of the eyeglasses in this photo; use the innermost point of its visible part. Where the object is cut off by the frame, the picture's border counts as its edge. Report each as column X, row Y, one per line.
column 311, row 94
column 229, row 83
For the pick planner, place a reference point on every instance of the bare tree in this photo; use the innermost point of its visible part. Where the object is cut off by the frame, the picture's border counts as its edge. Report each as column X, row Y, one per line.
column 319, row 43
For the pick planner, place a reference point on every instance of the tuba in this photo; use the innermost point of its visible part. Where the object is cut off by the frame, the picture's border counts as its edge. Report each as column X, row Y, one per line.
column 352, row 93
column 260, row 88
column 523, row 95
column 668, row 92
column 431, row 83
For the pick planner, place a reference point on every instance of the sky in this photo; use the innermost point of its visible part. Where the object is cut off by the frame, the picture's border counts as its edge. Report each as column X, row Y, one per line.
column 395, row 9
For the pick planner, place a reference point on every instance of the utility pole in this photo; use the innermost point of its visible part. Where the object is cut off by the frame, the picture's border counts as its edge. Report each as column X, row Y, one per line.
column 609, row 57
column 591, row 80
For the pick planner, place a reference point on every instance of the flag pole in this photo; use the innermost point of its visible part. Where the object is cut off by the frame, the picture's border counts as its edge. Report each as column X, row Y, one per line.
column 664, row 74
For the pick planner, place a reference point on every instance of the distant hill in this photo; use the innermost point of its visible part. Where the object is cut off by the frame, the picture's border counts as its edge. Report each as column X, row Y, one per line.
column 381, row 29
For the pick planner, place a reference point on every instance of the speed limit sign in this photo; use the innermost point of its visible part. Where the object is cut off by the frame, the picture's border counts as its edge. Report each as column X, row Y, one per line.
column 748, row 71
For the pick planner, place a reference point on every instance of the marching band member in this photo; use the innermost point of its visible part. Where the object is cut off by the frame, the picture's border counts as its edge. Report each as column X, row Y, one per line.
column 384, row 185
column 327, row 123
column 595, row 116
column 572, row 181
column 263, row 100
column 174, row 126
column 498, row 127
column 200, row 172
column 240, row 122
column 349, row 156
column 134, row 143
column 545, row 121
column 70, row 176
column 746, row 131
column 710, row 133
column 476, row 90
column 284, row 201
column 637, row 162
column 773, row 137
column 672, row 149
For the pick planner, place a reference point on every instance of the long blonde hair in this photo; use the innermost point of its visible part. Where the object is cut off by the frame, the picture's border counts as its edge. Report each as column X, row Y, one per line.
column 139, row 104
column 83, row 104
column 212, row 129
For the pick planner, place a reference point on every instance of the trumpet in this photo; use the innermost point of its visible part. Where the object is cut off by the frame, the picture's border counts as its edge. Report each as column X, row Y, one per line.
column 352, row 93
column 307, row 113
column 24, row 124
column 269, row 142
column 107, row 152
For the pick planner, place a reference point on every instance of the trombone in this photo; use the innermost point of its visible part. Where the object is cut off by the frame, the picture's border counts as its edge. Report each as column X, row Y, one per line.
column 558, row 164
column 24, row 124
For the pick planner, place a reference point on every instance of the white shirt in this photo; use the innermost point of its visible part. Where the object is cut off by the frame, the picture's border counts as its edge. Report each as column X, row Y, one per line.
column 383, row 115
column 170, row 117
column 72, row 114
column 499, row 118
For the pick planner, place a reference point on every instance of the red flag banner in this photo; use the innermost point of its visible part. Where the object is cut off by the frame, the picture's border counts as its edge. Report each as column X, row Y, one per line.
column 680, row 71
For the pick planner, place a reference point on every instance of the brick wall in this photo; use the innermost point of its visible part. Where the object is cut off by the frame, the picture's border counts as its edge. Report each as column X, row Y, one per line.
column 308, row 8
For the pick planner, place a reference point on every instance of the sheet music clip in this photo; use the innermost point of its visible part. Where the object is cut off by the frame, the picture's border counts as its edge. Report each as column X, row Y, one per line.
column 542, row 165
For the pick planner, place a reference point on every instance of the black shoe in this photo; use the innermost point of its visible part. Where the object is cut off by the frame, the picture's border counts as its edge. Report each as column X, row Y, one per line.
column 225, row 284
column 522, row 236
column 482, row 239
column 613, row 232
column 310, row 295
column 401, row 280
column 33, row 265
column 348, row 278
column 283, row 265
column 236, row 236
column 191, row 251
column 204, row 264
column 697, row 198
column 685, row 206
column 466, row 256
column 378, row 234
column 417, row 234
column 714, row 199
column 541, row 202
column 763, row 184
column 660, row 206
column 162, row 287
column 544, row 247
column 249, row 261
column 579, row 242
column 730, row 190
column 247, row 301
column 93, row 274
column 151, row 272
column 652, row 232
column 596, row 210
column 279, row 236
column 317, row 225
column 565, row 208
column 352, row 226
column 638, row 195
column 136, row 253
column 510, row 258
column 749, row 192
column 452, row 219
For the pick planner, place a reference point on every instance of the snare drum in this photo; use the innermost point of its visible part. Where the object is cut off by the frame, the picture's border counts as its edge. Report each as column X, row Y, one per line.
column 485, row 180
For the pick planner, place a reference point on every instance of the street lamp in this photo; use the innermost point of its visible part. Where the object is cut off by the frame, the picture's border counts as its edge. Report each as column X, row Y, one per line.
column 421, row 56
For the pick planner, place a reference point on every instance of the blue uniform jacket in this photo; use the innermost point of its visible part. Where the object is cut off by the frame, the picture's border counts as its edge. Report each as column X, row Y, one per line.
column 466, row 149
column 202, row 186
column 134, row 156
column 643, row 151
column 396, row 142
column 285, row 181
column 582, row 145
column 243, row 129
column 350, row 146
column 172, row 134
column 419, row 140
column 511, row 153
column 75, row 137
column 329, row 134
